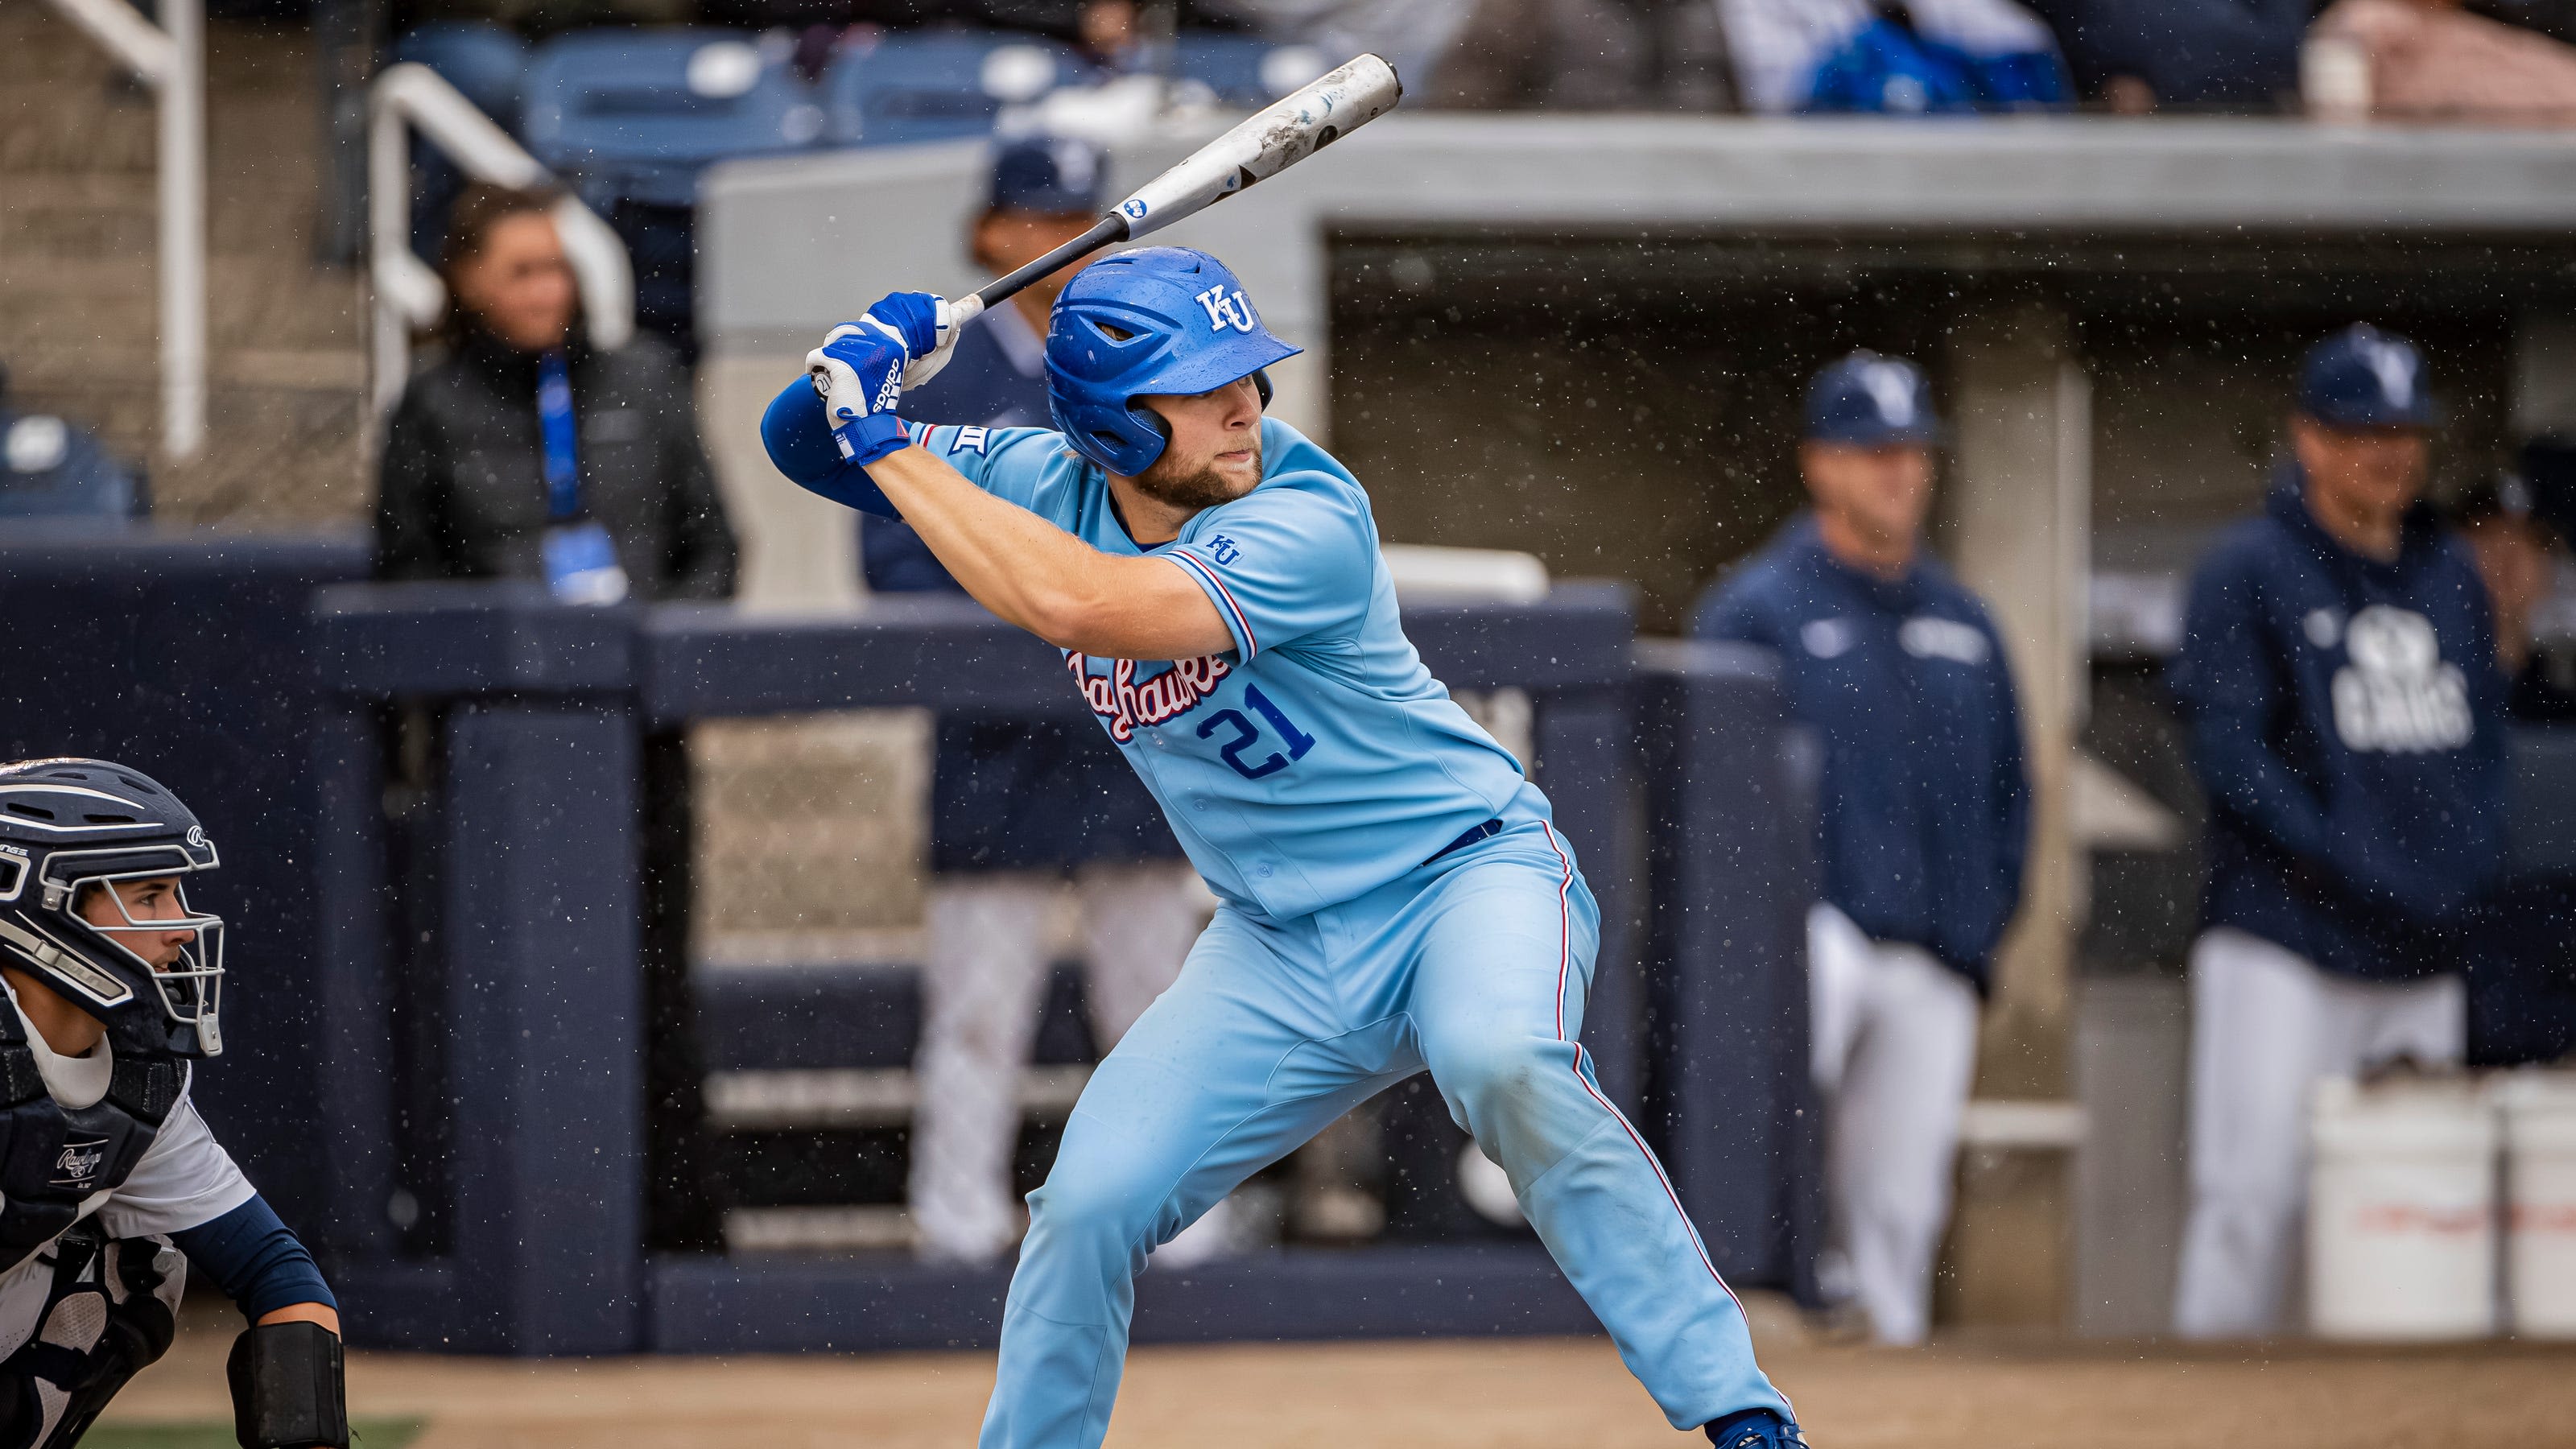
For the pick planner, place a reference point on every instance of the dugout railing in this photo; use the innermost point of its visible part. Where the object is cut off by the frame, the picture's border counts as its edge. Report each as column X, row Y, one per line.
column 561, row 892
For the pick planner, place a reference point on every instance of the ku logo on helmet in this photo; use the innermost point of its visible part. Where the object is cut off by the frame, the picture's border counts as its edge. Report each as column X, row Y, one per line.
column 1228, row 308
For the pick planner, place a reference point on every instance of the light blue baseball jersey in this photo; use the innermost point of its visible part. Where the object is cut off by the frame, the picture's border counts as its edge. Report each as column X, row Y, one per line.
column 1316, row 760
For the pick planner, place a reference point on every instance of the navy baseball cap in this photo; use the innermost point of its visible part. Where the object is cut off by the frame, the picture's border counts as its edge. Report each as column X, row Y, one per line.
column 1870, row 401
column 2362, row 377
column 1059, row 175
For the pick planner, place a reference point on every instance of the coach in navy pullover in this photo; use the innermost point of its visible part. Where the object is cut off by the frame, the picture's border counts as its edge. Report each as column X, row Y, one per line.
column 2339, row 684
column 2347, row 719
column 1925, row 807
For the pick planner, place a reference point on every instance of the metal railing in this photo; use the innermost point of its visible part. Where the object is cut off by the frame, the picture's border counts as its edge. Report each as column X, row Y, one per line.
column 406, row 293
column 171, row 59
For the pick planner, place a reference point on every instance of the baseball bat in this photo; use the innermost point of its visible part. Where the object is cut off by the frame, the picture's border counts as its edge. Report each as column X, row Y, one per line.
column 1292, row 129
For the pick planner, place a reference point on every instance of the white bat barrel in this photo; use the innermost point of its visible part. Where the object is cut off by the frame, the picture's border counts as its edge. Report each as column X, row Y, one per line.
column 1291, row 130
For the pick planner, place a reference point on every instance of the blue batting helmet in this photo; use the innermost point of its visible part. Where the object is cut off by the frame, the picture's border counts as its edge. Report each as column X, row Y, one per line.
column 1153, row 320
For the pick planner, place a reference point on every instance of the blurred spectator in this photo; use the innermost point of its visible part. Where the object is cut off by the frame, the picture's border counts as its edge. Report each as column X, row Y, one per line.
column 1897, row 56
column 2139, row 55
column 1925, row 818
column 523, row 452
column 2522, row 987
column 536, row 19
column 2338, row 681
column 1582, row 55
column 2431, row 60
column 1107, row 31
column 51, row 469
column 1018, row 807
column 1413, row 35
column 2518, row 558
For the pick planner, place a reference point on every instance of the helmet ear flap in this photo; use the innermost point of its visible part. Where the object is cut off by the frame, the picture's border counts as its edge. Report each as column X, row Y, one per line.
column 1261, row 381
column 1162, row 428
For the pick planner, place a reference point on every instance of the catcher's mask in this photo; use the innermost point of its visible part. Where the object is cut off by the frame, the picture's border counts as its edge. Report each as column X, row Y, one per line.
column 79, row 840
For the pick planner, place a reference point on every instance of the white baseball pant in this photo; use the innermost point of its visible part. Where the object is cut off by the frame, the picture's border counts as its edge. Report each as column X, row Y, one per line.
column 981, row 991
column 2266, row 1026
column 1894, row 1035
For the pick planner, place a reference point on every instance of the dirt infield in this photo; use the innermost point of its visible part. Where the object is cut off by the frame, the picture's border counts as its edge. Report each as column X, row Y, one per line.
column 1491, row 1394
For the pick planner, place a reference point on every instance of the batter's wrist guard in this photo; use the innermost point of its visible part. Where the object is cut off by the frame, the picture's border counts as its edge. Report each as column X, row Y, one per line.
column 876, row 436
column 287, row 1384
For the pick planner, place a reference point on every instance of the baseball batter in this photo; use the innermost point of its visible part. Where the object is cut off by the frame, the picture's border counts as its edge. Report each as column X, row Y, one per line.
column 1394, row 895
column 110, row 1185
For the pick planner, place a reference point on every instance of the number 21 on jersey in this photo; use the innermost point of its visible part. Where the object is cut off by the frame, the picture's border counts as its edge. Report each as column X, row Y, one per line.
column 1246, row 734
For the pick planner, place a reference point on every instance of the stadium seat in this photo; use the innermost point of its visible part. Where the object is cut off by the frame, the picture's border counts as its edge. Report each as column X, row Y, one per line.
column 488, row 65
column 484, row 61
column 940, row 87
column 1245, row 70
column 635, row 115
column 51, row 469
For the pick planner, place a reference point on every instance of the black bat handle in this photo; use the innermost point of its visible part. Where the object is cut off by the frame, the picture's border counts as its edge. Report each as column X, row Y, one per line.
column 1111, row 228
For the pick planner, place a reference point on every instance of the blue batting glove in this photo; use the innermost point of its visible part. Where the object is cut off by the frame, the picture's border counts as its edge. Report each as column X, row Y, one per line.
column 861, row 369
column 911, row 316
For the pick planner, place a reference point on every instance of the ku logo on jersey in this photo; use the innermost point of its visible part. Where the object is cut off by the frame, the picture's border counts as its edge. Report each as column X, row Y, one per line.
column 1228, row 308
column 1223, row 549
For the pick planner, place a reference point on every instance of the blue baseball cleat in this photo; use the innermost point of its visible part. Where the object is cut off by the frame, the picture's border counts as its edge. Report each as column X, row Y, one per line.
column 1755, row 1429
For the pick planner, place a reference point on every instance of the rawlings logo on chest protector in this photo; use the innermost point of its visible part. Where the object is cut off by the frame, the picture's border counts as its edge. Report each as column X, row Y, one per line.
column 77, row 1164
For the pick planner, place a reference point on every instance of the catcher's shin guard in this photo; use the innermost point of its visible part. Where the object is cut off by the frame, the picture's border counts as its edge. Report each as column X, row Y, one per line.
column 288, row 1388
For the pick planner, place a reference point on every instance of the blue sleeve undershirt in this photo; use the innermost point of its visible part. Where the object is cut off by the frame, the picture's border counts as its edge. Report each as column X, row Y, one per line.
column 256, row 1259
column 798, row 436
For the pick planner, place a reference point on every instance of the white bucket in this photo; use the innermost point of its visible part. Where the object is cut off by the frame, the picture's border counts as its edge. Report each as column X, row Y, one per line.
column 2540, row 1203
column 2401, row 1213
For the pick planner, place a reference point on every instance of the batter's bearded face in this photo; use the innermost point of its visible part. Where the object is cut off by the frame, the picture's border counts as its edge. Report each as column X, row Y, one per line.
column 1214, row 455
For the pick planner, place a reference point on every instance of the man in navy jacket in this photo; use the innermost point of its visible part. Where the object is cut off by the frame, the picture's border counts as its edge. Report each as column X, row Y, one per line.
column 1019, row 806
column 1924, row 821
column 2338, row 678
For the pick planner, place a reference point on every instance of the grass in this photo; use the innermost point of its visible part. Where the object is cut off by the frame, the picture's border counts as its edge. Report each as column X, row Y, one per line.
column 218, row 1434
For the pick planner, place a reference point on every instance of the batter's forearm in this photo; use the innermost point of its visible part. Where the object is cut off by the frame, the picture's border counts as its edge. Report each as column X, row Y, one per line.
column 1013, row 562
column 1043, row 579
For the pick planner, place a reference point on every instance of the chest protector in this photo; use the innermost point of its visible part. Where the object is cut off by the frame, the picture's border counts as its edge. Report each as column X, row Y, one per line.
column 53, row 1157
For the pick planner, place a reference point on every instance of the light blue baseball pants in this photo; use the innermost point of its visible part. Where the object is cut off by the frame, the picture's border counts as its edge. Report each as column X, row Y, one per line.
column 1474, row 966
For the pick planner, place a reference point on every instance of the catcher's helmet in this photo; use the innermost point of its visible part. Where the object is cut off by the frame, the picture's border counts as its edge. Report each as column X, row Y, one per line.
column 70, row 830
column 1152, row 320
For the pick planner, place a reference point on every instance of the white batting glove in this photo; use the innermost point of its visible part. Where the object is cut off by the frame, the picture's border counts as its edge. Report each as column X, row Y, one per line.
column 926, row 366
